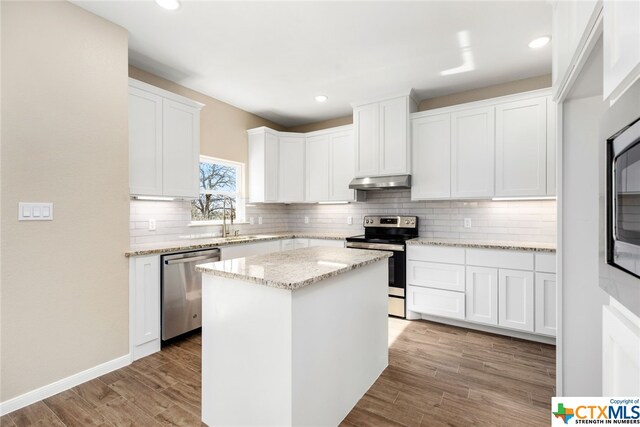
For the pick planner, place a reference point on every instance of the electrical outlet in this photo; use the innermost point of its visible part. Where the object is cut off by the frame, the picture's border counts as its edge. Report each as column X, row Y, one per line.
column 259, row 220
column 306, row 220
column 152, row 224
column 350, row 220
column 251, row 220
column 467, row 223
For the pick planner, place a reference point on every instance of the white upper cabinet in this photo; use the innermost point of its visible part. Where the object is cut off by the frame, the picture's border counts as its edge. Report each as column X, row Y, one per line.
column 291, row 169
column 263, row 165
column 381, row 131
column 521, row 148
column 341, row 165
column 145, row 143
column 431, row 149
column 472, row 153
column 180, row 155
column 164, row 142
column 621, row 38
column 366, row 121
column 317, row 167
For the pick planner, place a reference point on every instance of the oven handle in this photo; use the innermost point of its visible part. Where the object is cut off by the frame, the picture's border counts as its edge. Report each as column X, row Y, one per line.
column 376, row 246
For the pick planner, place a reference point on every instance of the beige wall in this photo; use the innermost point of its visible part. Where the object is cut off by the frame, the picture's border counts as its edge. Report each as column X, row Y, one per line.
column 502, row 89
column 64, row 140
column 223, row 127
column 340, row 121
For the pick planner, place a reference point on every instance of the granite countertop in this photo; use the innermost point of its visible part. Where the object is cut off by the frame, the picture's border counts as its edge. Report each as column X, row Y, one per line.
column 186, row 245
column 485, row 244
column 294, row 269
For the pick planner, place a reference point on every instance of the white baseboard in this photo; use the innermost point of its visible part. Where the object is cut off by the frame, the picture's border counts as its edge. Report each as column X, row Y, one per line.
column 63, row 384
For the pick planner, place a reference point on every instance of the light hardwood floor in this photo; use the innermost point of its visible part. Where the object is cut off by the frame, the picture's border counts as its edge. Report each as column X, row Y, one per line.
column 437, row 375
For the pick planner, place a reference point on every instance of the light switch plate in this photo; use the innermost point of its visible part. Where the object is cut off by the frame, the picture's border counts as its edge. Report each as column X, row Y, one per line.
column 259, row 220
column 35, row 211
column 152, row 224
column 350, row 220
column 467, row 223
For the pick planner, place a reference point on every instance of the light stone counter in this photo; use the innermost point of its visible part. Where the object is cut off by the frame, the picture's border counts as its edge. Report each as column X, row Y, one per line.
column 187, row 245
column 485, row 244
column 294, row 269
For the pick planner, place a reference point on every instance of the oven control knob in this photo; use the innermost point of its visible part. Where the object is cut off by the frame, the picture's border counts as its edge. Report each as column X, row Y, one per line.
column 406, row 221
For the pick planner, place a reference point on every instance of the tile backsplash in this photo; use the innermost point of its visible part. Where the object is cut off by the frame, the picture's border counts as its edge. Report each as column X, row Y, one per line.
column 523, row 221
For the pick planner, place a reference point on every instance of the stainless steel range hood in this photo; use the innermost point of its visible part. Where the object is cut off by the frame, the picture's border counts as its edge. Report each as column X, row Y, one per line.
column 395, row 182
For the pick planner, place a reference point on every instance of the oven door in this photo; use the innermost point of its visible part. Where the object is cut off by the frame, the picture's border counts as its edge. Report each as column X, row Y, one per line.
column 397, row 274
column 623, row 200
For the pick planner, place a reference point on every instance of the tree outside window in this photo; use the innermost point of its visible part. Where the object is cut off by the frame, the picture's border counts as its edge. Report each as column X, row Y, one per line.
column 220, row 191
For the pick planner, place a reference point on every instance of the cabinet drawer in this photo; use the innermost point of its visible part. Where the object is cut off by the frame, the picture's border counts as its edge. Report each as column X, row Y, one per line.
column 434, row 275
column 435, row 302
column 546, row 263
column 500, row 259
column 435, row 254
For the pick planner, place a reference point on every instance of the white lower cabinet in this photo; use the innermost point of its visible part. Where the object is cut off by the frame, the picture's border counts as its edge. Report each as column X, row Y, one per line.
column 436, row 275
column 145, row 307
column 287, row 244
column 326, row 242
column 436, row 302
column 546, row 305
column 300, row 243
column 249, row 249
column 515, row 299
column 620, row 351
column 482, row 295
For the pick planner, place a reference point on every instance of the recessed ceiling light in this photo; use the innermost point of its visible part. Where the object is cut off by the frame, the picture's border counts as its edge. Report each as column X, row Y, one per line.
column 539, row 42
column 321, row 98
column 168, row 4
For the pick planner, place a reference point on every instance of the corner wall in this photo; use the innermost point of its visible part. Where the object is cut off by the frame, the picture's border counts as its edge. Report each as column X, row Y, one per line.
column 64, row 305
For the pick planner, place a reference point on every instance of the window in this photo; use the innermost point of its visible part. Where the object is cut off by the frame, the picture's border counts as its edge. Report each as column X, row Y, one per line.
column 220, row 191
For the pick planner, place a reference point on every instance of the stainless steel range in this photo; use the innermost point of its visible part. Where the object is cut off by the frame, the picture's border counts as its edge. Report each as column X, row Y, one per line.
column 389, row 233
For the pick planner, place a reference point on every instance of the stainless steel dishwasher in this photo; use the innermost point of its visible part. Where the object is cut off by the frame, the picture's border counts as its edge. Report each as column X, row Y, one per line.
column 182, row 291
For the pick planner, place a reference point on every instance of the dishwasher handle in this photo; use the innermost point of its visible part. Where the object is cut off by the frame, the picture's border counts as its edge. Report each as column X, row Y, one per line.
column 192, row 259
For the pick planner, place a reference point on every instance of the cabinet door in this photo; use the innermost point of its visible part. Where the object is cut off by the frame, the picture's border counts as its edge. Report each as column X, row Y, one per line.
column 317, row 168
column 271, row 168
column 180, row 149
column 521, row 148
column 435, row 302
column 620, row 352
column 472, row 153
column 287, row 245
column 341, row 165
column 326, row 242
column 431, row 151
column 621, row 38
column 291, row 182
column 366, row 124
column 546, row 306
column 515, row 299
column 394, row 122
column 147, row 299
column 145, row 143
column 482, row 295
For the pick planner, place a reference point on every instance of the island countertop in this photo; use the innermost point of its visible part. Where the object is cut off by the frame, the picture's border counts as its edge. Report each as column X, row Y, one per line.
column 294, row 269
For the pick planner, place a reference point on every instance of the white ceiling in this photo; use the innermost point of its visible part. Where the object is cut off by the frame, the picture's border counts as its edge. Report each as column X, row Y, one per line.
column 271, row 58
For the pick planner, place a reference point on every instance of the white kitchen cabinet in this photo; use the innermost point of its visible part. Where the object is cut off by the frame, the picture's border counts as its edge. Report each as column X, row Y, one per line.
column 431, row 151
column 572, row 24
column 545, row 304
column 249, row 249
column 145, row 143
column 300, row 243
column 516, row 299
column 291, row 168
column 287, row 245
column 620, row 351
column 326, row 242
column 621, row 42
column 472, row 153
column 482, row 295
column 521, row 148
column 381, row 132
column 436, row 275
column 551, row 146
column 180, row 149
column 145, row 305
column 263, row 165
column 164, row 143
column 436, row 302
column 317, row 168
column 341, row 164
column 329, row 165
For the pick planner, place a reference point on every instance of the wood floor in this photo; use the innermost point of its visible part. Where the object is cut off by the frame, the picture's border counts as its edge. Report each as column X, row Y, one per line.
column 437, row 375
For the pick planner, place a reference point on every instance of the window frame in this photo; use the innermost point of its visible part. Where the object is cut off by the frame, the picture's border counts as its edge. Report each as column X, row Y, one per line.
column 238, row 195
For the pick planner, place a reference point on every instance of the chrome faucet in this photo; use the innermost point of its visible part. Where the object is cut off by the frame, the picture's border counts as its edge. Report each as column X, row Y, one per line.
column 225, row 229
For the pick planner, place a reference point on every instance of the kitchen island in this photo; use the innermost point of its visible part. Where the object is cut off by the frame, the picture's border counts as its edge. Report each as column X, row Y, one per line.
column 292, row 338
